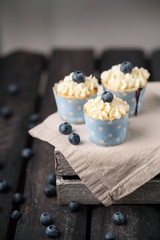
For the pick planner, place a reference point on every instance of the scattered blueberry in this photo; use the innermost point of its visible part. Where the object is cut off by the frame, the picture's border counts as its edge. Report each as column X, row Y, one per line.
column 109, row 236
column 13, row 89
column 26, row 153
column 52, row 178
column 46, row 219
column 74, row 138
column 15, row 215
column 31, row 125
column 52, row 231
column 65, row 128
column 118, row 218
column 18, row 198
column 107, row 96
column 73, row 206
column 3, row 186
column 34, row 117
column 6, row 112
column 50, row 191
column 78, row 77
column 126, row 67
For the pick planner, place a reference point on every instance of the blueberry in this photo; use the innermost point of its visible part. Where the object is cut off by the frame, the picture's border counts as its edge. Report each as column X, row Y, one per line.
column 6, row 112
column 52, row 231
column 34, row 117
column 13, row 89
column 50, row 191
column 46, row 219
column 15, row 215
column 65, row 128
column 126, row 67
column 109, row 236
column 52, row 178
column 107, row 96
column 74, row 138
column 118, row 218
column 78, row 77
column 73, row 206
column 3, row 186
column 26, row 153
column 18, row 198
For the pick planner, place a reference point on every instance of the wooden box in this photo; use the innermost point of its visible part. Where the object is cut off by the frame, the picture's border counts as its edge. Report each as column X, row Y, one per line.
column 71, row 188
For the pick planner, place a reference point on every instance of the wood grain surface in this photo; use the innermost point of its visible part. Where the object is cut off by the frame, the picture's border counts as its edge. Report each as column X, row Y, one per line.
column 112, row 57
column 141, row 222
column 24, row 69
column 155, row 60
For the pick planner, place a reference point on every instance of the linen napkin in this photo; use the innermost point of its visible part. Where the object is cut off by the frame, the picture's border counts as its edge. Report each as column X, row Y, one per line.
column 111, row 173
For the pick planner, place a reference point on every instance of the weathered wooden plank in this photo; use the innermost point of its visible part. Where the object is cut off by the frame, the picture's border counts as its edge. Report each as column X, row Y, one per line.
column 155, row 60
column 142, row 222
column 116, row 56
column 74, row 189
column 62, row 167
column 147, row 194
column 72, row 60
column 71, row 225
column 23, row 69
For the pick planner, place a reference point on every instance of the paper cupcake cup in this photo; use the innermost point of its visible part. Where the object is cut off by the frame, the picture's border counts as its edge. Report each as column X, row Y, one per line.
column 135, row 105
column 106, row 132
column 71, row 110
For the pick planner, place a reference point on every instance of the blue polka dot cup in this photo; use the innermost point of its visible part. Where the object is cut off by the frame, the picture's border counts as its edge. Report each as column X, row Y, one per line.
column 133, row 98
column 71, row 110
column 105, row 132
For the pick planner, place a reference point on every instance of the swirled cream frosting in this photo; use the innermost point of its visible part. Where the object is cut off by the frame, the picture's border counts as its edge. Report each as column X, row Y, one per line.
column 71, row 89
column 115, row 80
column 98, row 109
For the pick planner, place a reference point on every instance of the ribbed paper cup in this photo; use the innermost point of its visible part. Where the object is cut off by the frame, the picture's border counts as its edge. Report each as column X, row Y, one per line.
column 71, row 110
column 106, row 132
column 131, row 97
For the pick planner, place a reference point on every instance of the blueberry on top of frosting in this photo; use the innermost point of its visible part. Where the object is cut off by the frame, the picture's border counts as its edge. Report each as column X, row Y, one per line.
column 126, row 67
column 115, row 79
column 98, row 109
column 68, row 87
column 107, row 96
column 78, row 77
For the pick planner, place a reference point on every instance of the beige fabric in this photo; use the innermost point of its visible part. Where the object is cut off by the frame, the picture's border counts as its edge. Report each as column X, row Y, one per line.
column 113, row 172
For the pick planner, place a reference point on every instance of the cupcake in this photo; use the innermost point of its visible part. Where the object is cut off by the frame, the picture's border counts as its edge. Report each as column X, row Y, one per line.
column 72, row 93
column 106, row 119
column 128, row 83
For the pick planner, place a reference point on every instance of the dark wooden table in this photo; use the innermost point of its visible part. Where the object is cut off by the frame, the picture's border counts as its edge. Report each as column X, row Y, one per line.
column 36, row 75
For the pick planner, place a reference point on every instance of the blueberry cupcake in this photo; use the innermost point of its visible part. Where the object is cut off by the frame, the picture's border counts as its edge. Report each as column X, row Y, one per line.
column 128, row 83
column 72, row 93
column 106, row 119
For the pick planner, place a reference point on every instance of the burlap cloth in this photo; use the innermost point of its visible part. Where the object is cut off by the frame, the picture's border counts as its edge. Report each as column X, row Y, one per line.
column 113, row 172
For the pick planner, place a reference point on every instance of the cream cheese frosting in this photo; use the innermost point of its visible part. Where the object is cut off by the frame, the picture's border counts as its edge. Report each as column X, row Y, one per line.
column 68, row 87
column 98, row 109
column 114, row 79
